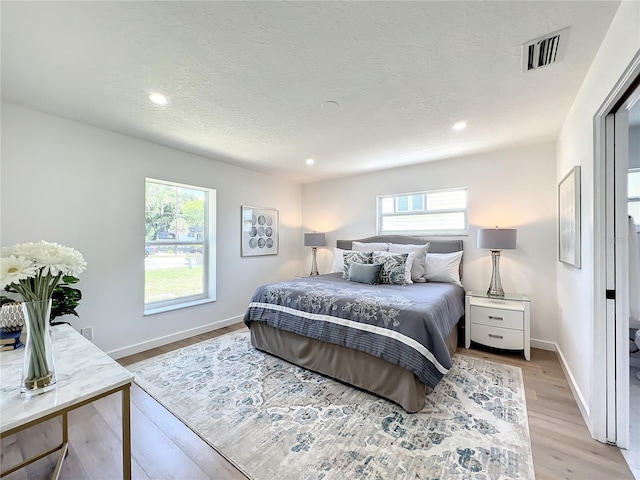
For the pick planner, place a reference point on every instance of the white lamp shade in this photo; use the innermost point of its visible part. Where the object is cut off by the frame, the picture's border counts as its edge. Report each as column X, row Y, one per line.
column 497, row 238
column 314, row 239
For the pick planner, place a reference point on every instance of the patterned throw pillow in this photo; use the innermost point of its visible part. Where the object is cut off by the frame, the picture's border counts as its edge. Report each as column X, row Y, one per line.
column 338, row 259
column 418, row 266
column 393, row 268
column 357, row 257
column 408, row 264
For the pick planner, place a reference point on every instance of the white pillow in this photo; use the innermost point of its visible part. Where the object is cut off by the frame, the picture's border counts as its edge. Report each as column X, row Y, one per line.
column 338, row 260
column 419, row 262
column 407, row 266
column 370, row 247
column 444, row 267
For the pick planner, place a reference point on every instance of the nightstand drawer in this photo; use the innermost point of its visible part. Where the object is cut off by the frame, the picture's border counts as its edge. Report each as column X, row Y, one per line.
column 497, row 317
column 497, row 337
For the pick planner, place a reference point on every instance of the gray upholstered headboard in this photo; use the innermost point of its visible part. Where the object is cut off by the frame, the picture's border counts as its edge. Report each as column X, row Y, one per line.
column 435, row 246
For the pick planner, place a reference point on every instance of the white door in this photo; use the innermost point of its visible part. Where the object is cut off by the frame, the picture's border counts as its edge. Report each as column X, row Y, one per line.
column 617, row 283
column 617, row 270
column 609, row 418
column 610, row 244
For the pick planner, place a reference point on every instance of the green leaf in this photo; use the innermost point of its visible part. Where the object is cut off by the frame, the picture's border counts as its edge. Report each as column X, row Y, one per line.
column 65, row 299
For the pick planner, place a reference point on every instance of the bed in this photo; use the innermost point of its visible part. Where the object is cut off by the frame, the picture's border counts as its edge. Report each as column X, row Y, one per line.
column 395, row 341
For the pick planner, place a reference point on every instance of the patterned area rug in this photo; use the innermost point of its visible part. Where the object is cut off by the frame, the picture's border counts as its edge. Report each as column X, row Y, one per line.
column 274, row 420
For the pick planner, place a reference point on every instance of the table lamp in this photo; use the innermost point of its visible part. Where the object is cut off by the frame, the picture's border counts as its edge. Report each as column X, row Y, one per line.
column 314, row 240
column 496, row 239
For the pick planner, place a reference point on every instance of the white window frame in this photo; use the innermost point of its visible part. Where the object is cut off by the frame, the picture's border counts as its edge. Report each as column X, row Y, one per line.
column 209, row 244
column 424, row 211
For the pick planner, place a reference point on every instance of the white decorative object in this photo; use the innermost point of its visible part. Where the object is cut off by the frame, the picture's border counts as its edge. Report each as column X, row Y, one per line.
column 569, row 218
column 259, row 231
column 11, row 317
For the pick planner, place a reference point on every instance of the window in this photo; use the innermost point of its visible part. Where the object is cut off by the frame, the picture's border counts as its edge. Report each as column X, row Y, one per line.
column 410, row 203
column 439, row 212
column 179, row 245
column 633, row 190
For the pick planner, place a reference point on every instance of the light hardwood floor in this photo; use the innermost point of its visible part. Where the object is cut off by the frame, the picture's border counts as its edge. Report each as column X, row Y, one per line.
column 164, row 448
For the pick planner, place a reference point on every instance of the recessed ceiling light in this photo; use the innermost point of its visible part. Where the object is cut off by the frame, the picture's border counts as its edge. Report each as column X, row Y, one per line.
column 460, row 125
column 158, row 99
column 310, row 161
column 330, row 105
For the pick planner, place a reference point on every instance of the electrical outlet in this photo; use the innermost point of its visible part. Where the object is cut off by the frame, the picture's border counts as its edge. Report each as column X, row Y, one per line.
column 87, row 333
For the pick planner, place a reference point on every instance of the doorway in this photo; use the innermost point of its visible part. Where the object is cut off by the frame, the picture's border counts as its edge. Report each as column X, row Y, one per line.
column 617, row 124
column 632, row 453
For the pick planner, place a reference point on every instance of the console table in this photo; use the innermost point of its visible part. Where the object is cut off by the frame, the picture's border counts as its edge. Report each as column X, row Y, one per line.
column 84, row 373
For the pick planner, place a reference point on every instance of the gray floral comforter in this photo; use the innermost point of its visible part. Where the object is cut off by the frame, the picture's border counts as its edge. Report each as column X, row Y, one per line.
column 406, row 325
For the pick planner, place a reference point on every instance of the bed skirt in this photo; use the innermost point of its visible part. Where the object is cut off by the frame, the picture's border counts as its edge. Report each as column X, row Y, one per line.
column 356, row 368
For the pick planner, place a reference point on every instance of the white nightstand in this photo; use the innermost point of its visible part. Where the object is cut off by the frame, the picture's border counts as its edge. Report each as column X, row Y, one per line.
column 498, row 322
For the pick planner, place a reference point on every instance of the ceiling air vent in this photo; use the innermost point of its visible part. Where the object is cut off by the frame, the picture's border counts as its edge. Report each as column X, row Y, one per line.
column 544, row 51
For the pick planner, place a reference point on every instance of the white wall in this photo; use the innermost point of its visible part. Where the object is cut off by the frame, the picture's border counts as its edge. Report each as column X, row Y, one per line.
column 576, row 147
column 83, row 187
column 508, row 188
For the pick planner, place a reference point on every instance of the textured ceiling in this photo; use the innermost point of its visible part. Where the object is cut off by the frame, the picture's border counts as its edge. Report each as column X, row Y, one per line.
column 247, row 80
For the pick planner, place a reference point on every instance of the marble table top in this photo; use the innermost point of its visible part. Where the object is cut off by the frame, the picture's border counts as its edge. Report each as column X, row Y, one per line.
column 82, row 369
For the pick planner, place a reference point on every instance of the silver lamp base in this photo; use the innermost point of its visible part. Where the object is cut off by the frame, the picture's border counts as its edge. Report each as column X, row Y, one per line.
column 314, row 263
column 495, row 287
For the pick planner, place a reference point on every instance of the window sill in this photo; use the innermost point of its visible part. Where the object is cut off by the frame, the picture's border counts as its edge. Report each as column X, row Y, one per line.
column 170, row 308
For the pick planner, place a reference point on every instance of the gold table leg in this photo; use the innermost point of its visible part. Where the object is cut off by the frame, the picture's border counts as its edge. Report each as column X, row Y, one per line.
column 63, row 454
column 126, row 432
column 64, row 447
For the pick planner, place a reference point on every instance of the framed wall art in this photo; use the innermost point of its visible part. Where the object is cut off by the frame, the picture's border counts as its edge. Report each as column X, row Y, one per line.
column 259, row 231
column 569, row 218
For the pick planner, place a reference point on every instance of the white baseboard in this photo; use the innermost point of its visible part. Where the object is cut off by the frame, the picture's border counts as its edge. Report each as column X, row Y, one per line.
column 577, row 394
column 543, row 345
column 157, row 342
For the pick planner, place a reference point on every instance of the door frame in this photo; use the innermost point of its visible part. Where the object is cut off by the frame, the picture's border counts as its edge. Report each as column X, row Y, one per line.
column 608, row 424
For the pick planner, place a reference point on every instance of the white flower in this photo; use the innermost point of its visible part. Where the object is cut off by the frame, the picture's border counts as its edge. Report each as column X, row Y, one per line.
column 13, row 269
column 73, row 262
column 44, row 262
column 50, row 258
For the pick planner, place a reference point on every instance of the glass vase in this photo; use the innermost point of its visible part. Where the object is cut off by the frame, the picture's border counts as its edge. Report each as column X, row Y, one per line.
column 38, row 369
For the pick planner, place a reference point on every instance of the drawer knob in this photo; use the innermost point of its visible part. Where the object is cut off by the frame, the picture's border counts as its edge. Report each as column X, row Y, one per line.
column 491, row 317
column 496, row 336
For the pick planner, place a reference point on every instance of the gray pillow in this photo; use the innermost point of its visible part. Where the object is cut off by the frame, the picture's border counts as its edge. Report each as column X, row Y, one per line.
column 365, row 273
